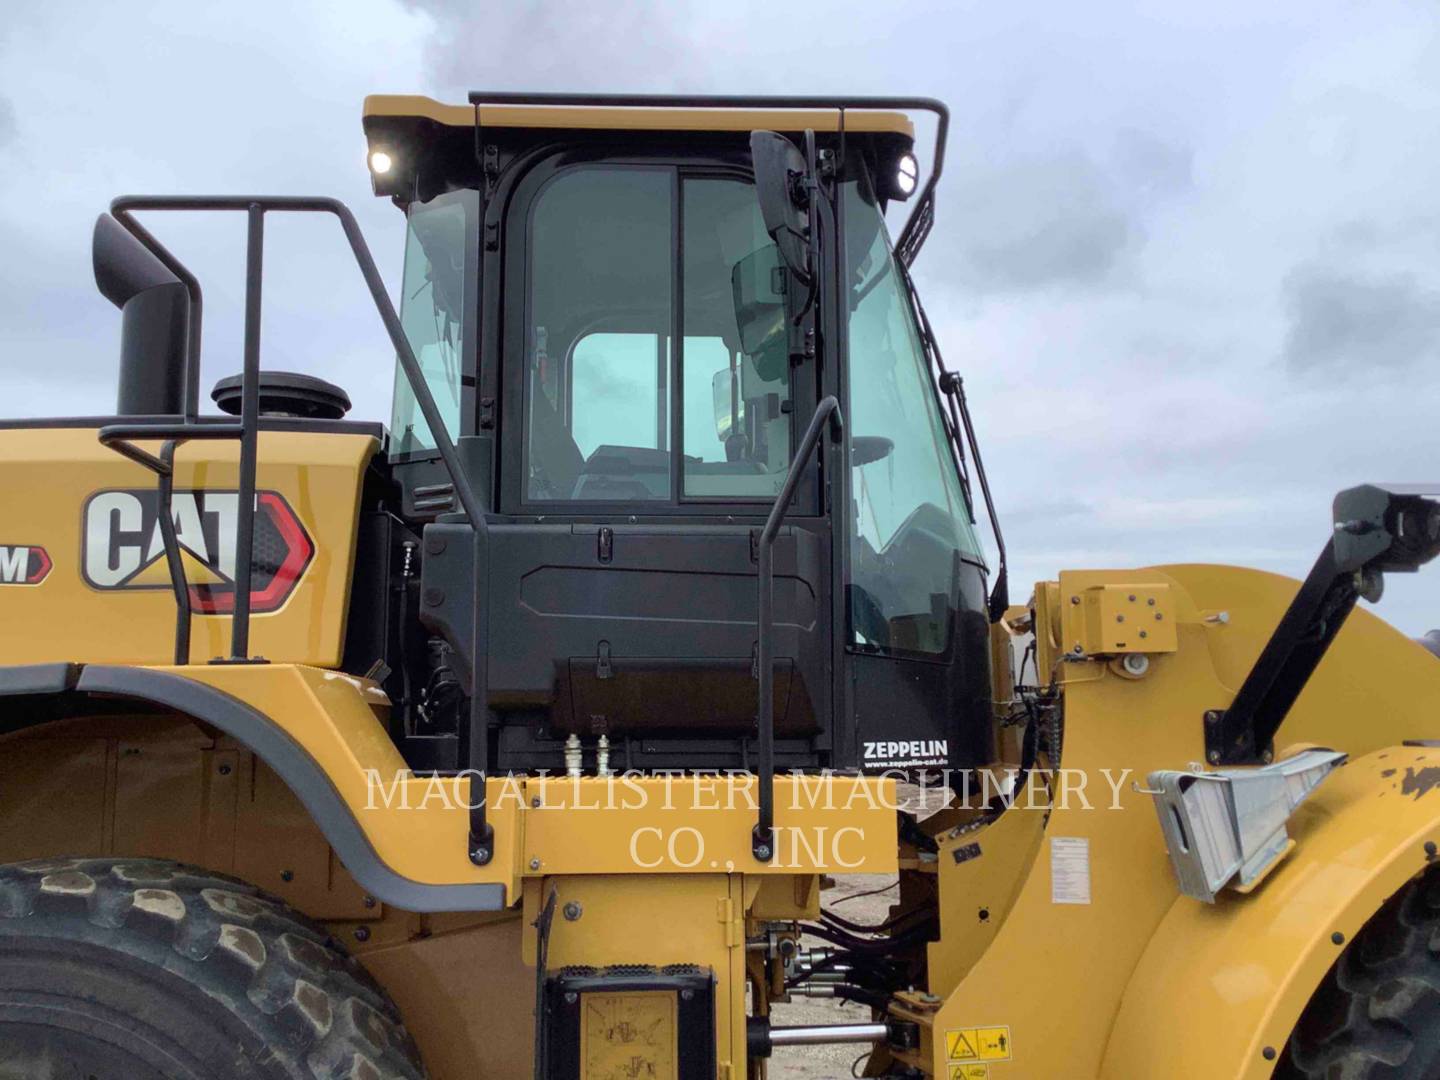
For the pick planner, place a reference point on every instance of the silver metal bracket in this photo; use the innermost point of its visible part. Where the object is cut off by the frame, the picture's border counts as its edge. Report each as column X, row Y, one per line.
column 1226, row 828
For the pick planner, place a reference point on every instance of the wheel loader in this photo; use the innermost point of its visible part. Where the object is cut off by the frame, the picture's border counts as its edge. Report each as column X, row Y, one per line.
column 526, row 736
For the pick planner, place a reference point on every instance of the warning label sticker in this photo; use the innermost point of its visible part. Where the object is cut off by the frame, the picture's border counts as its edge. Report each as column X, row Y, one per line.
column 960, row 1045
column 1069, row 870
column 980, row 1044
column 969, row 1072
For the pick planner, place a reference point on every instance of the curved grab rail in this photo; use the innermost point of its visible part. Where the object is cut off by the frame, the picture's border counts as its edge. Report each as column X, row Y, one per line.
column 118, row 437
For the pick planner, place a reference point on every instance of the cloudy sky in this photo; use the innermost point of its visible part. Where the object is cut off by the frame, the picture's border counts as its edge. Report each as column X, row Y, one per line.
column 1187, row 255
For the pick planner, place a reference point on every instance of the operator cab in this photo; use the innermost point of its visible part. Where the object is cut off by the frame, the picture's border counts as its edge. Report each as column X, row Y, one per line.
column 628, row 318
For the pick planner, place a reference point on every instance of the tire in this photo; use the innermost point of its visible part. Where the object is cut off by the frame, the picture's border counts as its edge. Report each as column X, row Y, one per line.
column 137, row 969
column 1377, row 1014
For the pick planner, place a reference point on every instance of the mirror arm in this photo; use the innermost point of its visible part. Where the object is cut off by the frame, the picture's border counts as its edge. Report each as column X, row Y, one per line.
column 809, row 184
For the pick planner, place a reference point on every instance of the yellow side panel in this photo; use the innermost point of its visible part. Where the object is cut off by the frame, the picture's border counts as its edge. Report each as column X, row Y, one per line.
column 48, row 477
column 416, row 825
column 1100, row 886
column 701, row 825
column 1220, row 985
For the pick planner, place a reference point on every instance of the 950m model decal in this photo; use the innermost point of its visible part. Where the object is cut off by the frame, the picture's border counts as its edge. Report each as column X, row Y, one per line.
column 23, row 564
column 123, row 547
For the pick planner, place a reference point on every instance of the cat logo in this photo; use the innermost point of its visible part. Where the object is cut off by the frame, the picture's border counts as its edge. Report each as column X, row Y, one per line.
column 125, row 549
column 23, row 564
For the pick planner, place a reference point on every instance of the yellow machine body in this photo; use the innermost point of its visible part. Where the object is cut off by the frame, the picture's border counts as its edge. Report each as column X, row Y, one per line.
column 1137, row 980
column 51, row 477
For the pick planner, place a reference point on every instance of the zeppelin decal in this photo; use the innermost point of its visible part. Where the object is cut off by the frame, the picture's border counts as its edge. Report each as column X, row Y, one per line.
column 901, row 753
column 124, row 547
column 23, row 564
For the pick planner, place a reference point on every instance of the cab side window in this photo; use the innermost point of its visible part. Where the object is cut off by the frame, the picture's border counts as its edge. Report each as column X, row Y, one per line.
column 600, row 325
column 604, row 378
column 436, row 312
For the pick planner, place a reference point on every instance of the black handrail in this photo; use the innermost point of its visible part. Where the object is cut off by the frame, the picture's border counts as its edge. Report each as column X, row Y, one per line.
column 917, row 225
column 118, row 436
column 762, row 842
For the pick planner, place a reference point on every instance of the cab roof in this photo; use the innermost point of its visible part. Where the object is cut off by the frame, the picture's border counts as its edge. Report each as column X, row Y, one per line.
column 380, row 108
column 423, row 145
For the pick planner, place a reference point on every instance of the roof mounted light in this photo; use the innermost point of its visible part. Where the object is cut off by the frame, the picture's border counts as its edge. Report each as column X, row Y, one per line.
column 907, row 176
column 381, row 162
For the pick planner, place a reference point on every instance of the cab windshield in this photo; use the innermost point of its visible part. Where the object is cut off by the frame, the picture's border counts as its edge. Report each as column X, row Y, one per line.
column 910, row 526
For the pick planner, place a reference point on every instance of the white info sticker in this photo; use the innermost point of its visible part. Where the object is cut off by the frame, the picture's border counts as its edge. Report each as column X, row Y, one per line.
column 1069, row 870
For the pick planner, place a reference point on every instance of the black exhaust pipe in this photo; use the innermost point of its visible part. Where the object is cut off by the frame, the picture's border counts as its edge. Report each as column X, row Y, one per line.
column 155, row 321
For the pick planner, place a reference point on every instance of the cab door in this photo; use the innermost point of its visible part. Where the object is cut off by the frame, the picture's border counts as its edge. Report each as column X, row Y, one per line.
column 643, row 444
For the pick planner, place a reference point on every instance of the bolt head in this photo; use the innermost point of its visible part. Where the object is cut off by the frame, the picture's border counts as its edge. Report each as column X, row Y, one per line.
column 1074, row 600
column 573, row 911
column 362, row 933
column 534, row 864
column 763, row 852
column 1213, row 757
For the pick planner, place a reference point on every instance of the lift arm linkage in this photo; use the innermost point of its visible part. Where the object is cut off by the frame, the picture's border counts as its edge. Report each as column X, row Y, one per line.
column 1378, row 529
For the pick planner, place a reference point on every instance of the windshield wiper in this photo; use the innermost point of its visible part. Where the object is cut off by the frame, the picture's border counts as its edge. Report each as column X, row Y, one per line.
column 953, row 387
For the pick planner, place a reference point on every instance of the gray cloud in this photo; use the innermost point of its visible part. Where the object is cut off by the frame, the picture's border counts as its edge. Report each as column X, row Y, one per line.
column 1345, row 321
column 537, row 45
column 1052, row 220
column 1153, row 165
column 1128, row 194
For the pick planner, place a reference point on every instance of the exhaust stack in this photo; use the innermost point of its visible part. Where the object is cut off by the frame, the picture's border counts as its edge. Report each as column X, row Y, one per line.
column 155, row 319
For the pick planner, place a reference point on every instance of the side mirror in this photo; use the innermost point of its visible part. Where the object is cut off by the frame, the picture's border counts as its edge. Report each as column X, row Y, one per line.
column 154, row 321
column 868, row 449
column 784, row 200
column 757, row 283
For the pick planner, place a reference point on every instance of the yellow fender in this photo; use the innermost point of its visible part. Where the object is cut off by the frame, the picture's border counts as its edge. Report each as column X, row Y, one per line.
column 1220, row 987
column 1132, row 980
